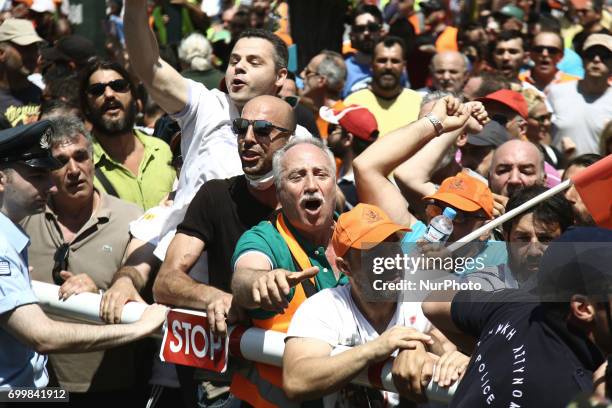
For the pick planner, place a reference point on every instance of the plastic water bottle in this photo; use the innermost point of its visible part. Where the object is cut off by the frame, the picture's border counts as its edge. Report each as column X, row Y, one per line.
column 441, row 226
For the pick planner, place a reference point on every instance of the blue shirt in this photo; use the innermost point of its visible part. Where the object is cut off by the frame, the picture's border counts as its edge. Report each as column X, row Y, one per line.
column 20, row 366
column 492, row 254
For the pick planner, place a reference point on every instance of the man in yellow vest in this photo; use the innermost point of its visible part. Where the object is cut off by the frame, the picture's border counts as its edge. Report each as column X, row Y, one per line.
column 279, row 263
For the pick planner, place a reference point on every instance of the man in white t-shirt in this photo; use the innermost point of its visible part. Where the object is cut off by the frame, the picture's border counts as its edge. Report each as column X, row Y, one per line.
column 373, row 323
column 257, row 66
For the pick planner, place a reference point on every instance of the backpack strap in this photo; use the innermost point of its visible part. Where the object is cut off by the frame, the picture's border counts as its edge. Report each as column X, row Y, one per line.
column 108, row 187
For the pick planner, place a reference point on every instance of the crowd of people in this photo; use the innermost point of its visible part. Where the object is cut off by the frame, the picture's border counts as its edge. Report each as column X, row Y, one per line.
column 248, row 158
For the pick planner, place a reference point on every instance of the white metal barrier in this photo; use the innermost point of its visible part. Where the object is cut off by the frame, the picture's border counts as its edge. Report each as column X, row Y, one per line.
column 250, row 343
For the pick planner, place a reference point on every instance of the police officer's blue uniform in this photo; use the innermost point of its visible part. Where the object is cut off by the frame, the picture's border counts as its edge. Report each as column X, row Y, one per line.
column 20, row 365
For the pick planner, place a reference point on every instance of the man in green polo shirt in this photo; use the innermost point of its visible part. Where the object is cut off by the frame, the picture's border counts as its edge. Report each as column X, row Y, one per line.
column 129, row 164
column 268, row 257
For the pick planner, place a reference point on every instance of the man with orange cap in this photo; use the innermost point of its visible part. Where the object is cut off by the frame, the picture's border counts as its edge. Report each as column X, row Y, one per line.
column 354, row 315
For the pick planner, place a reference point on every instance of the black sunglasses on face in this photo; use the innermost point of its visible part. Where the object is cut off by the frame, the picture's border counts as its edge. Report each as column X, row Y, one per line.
column 261, row 128
column 118, row 85
column 593, row 52
column 361, row 28
column 539, row 49
column 60, row 263
column 501, row 119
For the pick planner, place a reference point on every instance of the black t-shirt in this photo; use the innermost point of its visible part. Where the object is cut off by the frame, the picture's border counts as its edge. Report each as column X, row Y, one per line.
column 221, row 211
column 525, row 356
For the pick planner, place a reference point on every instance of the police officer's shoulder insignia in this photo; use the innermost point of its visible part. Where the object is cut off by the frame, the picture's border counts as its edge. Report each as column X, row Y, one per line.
column 5, row 268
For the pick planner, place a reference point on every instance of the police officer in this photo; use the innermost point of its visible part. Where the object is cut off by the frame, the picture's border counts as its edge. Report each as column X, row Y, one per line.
column 26, row 333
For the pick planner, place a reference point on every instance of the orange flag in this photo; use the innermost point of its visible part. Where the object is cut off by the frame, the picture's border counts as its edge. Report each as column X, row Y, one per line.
column 594, row 185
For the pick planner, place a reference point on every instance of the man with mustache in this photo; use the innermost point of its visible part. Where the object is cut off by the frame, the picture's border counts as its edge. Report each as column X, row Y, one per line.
column 18, row 57
column 280, row 262
column 81, row 224
column 221, row 211
column 128, row 164
column 509, row 54
column 392, row 105
column 257, row 66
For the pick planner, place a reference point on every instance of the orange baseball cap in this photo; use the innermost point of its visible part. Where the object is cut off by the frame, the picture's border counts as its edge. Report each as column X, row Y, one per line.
column 364, row 224
column 466, row 193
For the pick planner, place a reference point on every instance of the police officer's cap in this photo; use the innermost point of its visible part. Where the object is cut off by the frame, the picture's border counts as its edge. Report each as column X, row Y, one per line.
column 28, row 144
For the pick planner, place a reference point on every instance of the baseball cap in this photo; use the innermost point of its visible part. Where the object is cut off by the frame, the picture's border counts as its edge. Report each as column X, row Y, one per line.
column 364, row 224
column 604, row 40
column 465, row 193
column 28, row 144
column 43, row 6
column 492, row 134
column 356, row 119
column 510, row 10
column 578, row 262
column 72, row 48
column 512, row 99
column 18, row 31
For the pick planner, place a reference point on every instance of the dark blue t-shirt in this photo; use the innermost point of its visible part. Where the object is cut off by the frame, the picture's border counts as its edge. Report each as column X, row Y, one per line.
column 525, row 355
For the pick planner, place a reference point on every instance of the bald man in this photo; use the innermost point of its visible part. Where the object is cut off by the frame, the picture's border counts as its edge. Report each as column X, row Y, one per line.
column 448, row 71
column 223, row 209
column 516, row 164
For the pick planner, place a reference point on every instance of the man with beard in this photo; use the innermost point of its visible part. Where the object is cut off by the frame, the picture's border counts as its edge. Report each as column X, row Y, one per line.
column 80, row 225
column 391, row 104
column 18, row 58
column 257, row 66
column 582, row 108
column 509, row 54
column 527, row 236
column 129, row 164
column 575, row 166
column 515, row 164
column 546, row 51
column 221, row 211
column 367, row 318
column 366, row 30
column 280, row 262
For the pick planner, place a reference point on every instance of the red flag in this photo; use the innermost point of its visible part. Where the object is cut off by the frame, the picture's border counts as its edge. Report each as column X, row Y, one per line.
column 594, row 184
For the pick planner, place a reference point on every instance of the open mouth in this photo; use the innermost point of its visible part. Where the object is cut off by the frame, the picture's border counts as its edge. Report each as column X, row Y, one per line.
column 238, row 83
column 312, row 204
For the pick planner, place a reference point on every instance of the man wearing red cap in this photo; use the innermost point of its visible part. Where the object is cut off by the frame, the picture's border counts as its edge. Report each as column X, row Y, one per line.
column 350, row 316
column 509, row 109
column 351, row 131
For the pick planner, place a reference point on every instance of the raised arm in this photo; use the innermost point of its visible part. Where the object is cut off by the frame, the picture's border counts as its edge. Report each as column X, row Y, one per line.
column 31, row 326
column 374, row 165
column 167, row 87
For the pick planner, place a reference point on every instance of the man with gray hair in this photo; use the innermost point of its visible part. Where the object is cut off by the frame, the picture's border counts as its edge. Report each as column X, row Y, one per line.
column 81, row 224
column 449, row 71
column 278, row 263
column 323, row 78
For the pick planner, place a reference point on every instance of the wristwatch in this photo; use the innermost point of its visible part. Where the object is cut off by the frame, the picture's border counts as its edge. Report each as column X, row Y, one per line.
column 436, row 123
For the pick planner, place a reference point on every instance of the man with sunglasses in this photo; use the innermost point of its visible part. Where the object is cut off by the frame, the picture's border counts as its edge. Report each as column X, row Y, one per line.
column 589, row 14
column 128, row 164
column 582, row 108
column 509, row 109
column 26, row 333
column 366, row 30
column 257, row 66
column 220, row 212
column 546, row 52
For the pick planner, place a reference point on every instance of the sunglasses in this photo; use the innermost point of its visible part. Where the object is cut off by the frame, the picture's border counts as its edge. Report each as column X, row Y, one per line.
column 261, row 128
column 435, row 209
column 542, row 118
column 539, row 49
column 501, row 119
column 361, row 28
column 292, row 100
column 60, row 263
column 600, row 52
column 118, row 85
